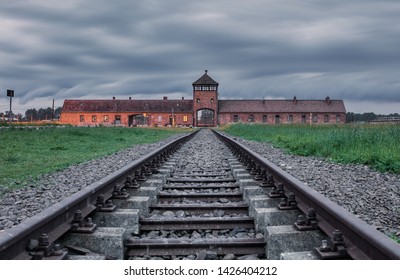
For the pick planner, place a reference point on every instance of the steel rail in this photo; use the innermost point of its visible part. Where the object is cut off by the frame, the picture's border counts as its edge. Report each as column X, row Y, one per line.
column 56, row 220
column 362, row 240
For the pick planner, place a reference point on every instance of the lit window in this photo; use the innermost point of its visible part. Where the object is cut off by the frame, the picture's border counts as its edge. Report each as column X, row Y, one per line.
column 105, row 118
column 185, row 118
column 94, row 118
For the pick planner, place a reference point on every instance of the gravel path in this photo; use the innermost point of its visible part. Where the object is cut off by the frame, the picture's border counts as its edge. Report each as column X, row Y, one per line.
column 372, row 196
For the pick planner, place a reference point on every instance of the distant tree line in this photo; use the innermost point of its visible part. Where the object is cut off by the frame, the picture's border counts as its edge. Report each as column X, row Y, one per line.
column 33, row 115
column 366, row 117
column 42, row 114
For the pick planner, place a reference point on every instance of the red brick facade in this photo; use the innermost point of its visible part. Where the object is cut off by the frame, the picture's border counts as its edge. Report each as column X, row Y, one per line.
column 282, row 118
column 203, row 101
column 126, row 119
column 204, row 110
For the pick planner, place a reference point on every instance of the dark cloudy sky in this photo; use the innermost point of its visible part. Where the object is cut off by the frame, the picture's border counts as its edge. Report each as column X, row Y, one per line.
column 51, row 49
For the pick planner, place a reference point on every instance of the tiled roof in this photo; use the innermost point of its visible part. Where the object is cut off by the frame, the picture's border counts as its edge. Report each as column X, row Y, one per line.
column 281, row 106
column 128, row 106
column 205, row 80
column 225, row 106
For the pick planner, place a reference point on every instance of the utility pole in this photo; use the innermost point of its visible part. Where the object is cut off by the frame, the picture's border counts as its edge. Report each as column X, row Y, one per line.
column 52, row 112
column 10, row 93
column 173, row 119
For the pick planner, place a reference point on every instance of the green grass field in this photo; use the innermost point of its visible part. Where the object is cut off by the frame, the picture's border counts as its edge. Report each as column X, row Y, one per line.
column 26, row 154
column 377, row 146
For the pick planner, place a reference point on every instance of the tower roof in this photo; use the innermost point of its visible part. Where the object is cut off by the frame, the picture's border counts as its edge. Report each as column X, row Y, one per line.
column 205, row 80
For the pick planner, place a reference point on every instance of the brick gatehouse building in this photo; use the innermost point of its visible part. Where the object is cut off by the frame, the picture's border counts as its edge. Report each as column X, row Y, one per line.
column 205, row 109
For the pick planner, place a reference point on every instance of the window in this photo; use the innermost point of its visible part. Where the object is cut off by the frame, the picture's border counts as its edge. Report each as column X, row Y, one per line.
column 204, row 88
column 106, row 118
column 303, row 118
column 213, row 88
column 337, row 118
column 264, row 118
column 94, row 118
column 185, row 118
column 277, row 119
column 159, row 119
column 197, row 88
column 235, row 118
column 198, row 100
column 251, row 118
column 117, row 119
column 315, row 118
column 290, row 118
column 212, row 100
column 326, row 118
column 82, row 118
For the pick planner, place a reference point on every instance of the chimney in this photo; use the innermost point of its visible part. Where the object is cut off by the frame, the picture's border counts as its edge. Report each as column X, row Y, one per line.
column 328, row 100
column 165, row 98
column 130, row 98
column 295, row 99
column 183, row 98
column 113, row 97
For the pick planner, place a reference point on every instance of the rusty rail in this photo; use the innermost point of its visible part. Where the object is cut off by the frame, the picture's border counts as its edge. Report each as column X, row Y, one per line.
column 57, row 219
column 362, row 240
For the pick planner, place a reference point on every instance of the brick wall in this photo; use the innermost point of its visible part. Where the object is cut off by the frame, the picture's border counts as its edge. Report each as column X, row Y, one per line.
column 272, row 118
column 117, row 118
column 205, row 100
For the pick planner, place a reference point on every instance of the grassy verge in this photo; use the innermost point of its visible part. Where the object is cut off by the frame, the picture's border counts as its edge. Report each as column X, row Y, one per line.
column 26, row 154
column 374, row 145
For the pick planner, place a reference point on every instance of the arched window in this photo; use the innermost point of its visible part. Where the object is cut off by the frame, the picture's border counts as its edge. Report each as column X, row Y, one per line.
column 205, row 117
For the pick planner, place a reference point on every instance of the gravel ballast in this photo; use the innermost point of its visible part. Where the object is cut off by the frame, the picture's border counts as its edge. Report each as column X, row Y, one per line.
column 25, row 202
column 374, row 197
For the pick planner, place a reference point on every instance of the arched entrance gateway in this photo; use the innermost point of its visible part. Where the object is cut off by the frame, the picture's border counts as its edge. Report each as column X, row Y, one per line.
column 205, row 101
column 205, row 117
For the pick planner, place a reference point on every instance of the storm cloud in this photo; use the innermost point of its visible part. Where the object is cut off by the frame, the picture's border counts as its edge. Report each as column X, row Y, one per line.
column 255, row 49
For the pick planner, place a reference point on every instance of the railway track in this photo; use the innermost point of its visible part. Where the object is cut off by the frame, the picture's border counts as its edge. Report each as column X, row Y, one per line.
column 187, row 201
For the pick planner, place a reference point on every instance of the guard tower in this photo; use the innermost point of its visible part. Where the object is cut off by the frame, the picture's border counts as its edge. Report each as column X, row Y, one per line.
column 205, row 101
